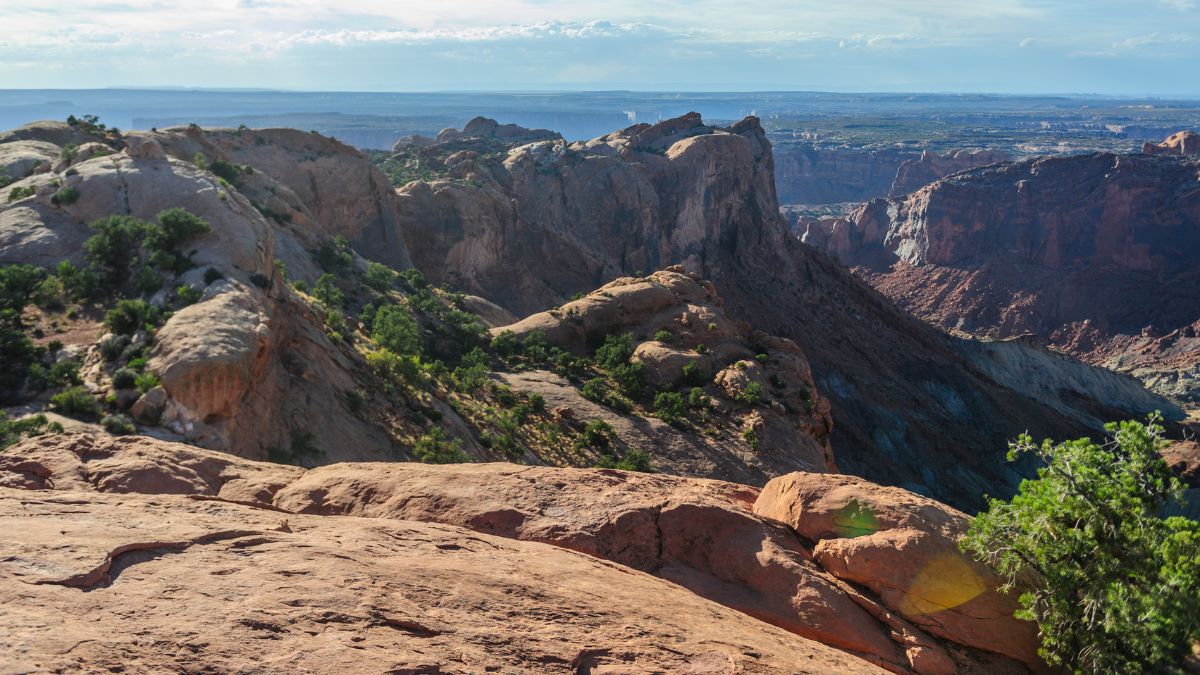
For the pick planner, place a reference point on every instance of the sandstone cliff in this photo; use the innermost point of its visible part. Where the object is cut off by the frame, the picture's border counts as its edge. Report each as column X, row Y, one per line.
column 906, row 400
column 462, row 568
column 1095, row 254
column 810, row 174
column 914, row 174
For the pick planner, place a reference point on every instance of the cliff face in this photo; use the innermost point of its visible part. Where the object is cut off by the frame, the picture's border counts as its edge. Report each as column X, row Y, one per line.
column 548, row 220
column 1096, row 254
column 917, row 173
column 805, row 174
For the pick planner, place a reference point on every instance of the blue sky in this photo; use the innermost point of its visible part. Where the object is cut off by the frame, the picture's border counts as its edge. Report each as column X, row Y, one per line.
column 1019, row 46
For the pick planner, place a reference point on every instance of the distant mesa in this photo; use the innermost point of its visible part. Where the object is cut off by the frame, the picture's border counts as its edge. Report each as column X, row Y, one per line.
column 1184, row 143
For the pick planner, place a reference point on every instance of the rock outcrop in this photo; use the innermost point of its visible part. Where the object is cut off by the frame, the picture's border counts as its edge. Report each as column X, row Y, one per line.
column 154, row 511
column 1185, row 143
column 683, row 334
column 807, row 173
column 683, row 192
column 1094, row 254
column 915, row 174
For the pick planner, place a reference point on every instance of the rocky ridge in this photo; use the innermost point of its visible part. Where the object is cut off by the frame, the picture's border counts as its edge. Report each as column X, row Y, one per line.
column 683, row 192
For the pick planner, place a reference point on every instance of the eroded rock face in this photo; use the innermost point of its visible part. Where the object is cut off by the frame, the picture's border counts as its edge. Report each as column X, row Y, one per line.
column 1094, row 254
column 917, row 173
column 809, row 174
column 1181, row 143
column 554, row 219
column 701, row 535
column 680, row 326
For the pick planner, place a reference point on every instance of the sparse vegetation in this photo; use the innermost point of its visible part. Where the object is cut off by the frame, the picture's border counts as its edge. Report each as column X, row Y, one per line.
column 118, row 425
column 12, row 431
column 436, row 447
column 1115, row 586
column 76, row 402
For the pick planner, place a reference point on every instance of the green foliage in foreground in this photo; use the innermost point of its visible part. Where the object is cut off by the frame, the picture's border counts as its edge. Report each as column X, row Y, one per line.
column 1115, row 586
column 12, row 430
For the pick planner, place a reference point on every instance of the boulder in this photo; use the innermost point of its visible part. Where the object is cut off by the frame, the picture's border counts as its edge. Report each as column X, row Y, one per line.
column 904, row 548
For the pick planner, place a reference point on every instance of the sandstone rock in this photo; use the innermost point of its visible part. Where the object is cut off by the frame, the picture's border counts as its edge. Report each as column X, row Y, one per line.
column 18, row 159
column 809, row 172
column 703, row 335
column 704, row 197
column 307, row 593
column 904, row 548
column 1182, row 143
column 1092, row 253
column 698, row 534
column 148, row 409
column 914, row 174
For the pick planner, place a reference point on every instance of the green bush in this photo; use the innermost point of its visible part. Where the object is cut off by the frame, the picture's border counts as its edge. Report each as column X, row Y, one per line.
column 327, row 293
column 664, row 336
column 115, row 245
column 301, row 448
column 335, row 255
column 17, row 286
column 12, row 431
column 669, row 406
column 690, row 375
column 1116, row 587
column 414, row 278
column 751, row 437
column 118, row 425
column 149, row 280
column 77, row 283
column 615, row 351
column 472, row 372
column 698, row 399
column 19, row 193
column 394, row 328
column 64, row 373
column 176, row 227
column 751, row 394
column 188, row 295
column 596, row 434
column 76, row 402
column 50, row 294
column 113, row 346
column 634, row 460
column 436, row 447
column 129, row 316
column 65, row 196
column 124, row 378
column 379, row 277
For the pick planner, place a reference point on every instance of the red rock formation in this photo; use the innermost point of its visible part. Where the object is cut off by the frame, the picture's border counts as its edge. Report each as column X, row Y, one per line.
column 824, row 585
column 810, row 174
column 1095, row 254
column 1181, row 143
column 917, row 173
column 554, row 219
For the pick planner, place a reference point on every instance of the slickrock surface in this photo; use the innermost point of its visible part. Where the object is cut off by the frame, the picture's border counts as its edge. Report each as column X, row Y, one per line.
column 227, row 523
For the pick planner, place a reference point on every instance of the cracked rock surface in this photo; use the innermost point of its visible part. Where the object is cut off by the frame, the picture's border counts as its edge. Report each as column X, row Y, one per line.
column 136, row 551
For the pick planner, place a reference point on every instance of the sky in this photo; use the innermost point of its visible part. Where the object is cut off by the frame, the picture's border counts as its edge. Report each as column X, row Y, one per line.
column 1134, row 47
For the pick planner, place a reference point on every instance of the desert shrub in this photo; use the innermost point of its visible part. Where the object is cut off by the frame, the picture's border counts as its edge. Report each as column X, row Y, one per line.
column 751, row 437
column 701, row 348
column 394, row 328
column 698, row 399
column 594, row 390
column 18, row 193
column 77, row 283
column 64, row 373
column 1116, row 586
column 76, row 402
column 615, row 351
column 506, row 344
column 631, row 379
column 118, row 425
column 379, row 277
column 113, row 346
column 596, row 434
column 690, row 375
column 50, row 293
column 335, row 255
column 436, row 447
column 124, row 378
column 149, row 280
column 414, row 278
column 65, row 196
column 12, row 431
column 327, row 293
column 145, row 381
column 634, row 460
column 664, row 336
column 356, row 400
column 17, row 285
column 129, row 316
column 472, row 371
column 188, row 295
column 230, row 172
column 176, row 227
column 669, row 406
column 114, row 246
column 751, row 394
